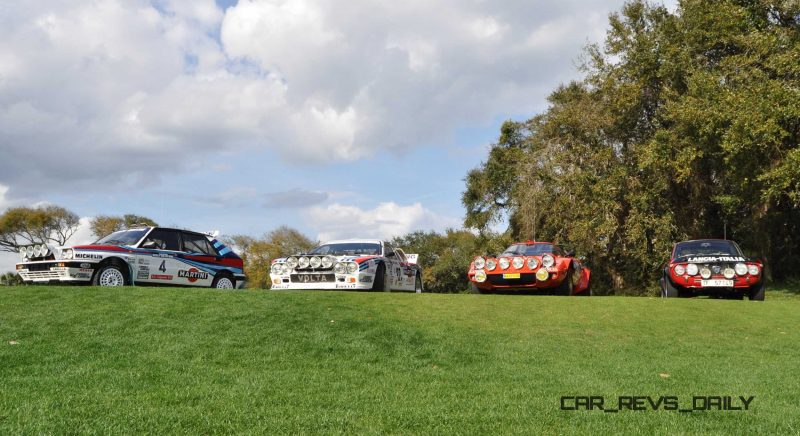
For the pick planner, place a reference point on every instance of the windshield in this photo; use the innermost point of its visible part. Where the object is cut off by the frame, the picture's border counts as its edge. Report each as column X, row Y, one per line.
column 707, row 248
column 124, row 237
column 348, row 249
column 529, row 250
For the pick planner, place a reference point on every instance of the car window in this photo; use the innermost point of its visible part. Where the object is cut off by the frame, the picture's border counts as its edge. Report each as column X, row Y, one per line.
column 164, row 239
column 194, row 243
column 401, row 256
column 387, row 250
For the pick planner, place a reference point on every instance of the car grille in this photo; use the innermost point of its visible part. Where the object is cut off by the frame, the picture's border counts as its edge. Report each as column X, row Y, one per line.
column 40, row 275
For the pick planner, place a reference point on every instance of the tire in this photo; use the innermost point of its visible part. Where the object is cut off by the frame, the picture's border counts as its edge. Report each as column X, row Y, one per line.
column 474, row 288
column 379, row 284
column 668, row 290
column 418, row 285
column 566, row 286
column 757, row 292
column 110, row 276
column 223, row 281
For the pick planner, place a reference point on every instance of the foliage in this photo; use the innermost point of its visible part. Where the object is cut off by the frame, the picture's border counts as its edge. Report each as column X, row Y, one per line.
column 104, row 225
column 258, row 253
column 10, row 279
column 445, row 258
column 26, row 225
column 201, row 361
column 686, row 125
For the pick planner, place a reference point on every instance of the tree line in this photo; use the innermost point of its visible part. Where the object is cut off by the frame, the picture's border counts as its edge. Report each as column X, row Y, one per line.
column 685, row 125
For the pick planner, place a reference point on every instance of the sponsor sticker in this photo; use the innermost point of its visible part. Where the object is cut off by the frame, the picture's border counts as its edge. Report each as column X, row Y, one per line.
column 143, row 261
column 161, row 277
column 87, row 256
column 193, row 275
column 511, row 276
column 702, row 259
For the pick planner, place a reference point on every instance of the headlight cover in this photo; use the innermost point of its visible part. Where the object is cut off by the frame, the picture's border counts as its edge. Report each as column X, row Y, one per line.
column 276, row 268
column 692, row 269
column 518, row 262
column 302, row 262
column 741, row 269
column 315, row 262
column 504, row 263
column 480, row 276
column 340, row 268
column 548, row 260
column 705, row 272
column 292, row 262
column 31, row 250
column 352, row 267
column 533, row 263
column 491, row 264
column 729, row 273
column 328, row 261
column 680, row 270
column 479, row 263
column 542, row 274
column 754, row 270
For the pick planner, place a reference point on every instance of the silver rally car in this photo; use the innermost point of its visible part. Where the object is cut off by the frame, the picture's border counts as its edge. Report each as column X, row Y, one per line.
column 361, row 264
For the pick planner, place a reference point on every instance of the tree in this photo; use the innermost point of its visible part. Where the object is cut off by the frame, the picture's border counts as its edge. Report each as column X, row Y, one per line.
column 685, row 125
column 21, row 226
column 258, row 253
column 10, row 279
column 104, row 225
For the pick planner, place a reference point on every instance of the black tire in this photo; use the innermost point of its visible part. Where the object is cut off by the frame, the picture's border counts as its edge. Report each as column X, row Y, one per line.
column 418, row 284
column 757, row 292
column 474, row 288
column 668, row 290
column 111, row 273
column 566, row 286
column 221, row 279
column 379, row 284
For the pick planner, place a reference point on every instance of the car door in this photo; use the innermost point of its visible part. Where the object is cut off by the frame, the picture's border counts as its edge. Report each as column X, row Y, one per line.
column 198, row 254
column 393, row 268
column 408, row 271
column 161, row 250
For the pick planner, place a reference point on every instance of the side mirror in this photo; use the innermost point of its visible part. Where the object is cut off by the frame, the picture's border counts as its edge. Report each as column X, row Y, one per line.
column 150, row 244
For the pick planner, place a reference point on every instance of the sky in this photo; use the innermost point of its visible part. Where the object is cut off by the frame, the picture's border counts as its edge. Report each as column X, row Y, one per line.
column 340, row 119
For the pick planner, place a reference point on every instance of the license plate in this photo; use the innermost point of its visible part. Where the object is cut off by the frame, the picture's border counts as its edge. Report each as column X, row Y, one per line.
column 717, row 283
column 511, row 276
column 313, row 278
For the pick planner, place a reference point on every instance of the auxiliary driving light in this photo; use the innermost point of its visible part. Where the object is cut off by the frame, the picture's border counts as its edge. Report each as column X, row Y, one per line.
column 729, row 273
column 340, row 268
column 518, row 262
column 542, row 274
column 753, row 270
column 533, row 263
column 741, row 269
column 303, row 262
column 548, row 260
column 315, row 262
column 504, row 263
column 480, row 276
column 479, row 263
column 352, row 267
column 680, row 270
column 491, row 264
column 705, row 272
column 292, row 262
column 327, row 262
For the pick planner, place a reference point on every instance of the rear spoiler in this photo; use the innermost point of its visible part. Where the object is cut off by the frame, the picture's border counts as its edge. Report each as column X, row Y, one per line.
column 412, row 258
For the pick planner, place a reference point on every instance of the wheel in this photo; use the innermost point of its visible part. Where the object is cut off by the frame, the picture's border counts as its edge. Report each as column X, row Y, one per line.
column 223, row 282
column 757, row 292
column 418, row 284
column 380, row 283
column 110, row 275
column 667, row 289
column 475, row 289
column 566, row 287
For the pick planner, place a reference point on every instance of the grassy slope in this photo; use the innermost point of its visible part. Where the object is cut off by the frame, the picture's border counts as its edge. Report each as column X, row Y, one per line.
column 177, row 360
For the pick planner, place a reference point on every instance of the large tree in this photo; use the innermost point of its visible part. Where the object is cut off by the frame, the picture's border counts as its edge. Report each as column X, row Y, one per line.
column 104, row 225
column 258, row 253
column 686, row 125
column 21, row 226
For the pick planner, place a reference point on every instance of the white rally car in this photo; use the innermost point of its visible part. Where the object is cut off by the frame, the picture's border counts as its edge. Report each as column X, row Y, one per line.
column 143, row 256
column 363, row 264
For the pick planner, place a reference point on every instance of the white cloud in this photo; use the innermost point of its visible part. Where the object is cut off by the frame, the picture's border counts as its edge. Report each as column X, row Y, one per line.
column 125, row 90
column 337, row 221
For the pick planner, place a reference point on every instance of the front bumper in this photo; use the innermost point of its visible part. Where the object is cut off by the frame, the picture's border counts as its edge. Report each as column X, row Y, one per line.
column 340, row 281
column 56, row 271
column 696, row 282
column 526, row 280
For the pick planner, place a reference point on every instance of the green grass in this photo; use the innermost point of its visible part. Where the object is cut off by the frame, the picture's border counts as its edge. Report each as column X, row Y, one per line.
column 158, row 360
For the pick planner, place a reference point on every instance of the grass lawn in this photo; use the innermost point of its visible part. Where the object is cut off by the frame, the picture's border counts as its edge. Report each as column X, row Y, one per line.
column 160, row 360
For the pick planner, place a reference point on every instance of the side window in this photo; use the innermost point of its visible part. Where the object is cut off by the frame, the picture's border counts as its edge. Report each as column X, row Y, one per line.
column 163, row 240
column 401, row 256
column 388, row 251
column 193, row 243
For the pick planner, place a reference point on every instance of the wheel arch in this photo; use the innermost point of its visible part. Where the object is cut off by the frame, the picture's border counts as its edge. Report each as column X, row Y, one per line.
column 116, row 261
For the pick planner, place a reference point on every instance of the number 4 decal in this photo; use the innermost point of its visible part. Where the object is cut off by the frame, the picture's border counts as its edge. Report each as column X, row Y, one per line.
column 163, row 267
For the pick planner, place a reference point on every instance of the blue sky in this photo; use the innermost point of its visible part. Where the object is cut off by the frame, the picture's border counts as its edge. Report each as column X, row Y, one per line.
column 357, row 119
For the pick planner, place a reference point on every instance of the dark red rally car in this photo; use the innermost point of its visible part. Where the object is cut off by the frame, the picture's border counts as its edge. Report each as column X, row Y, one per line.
column 713, row 267
column 530, row 266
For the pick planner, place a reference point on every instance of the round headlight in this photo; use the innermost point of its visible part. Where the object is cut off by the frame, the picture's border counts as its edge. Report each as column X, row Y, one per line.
column 45, row 250
column 480, row 276
column 491, row 264
column 302, row 262
column 741, row 269
column 291, row 262
column 754, row 270
column 352, row 267
column 680, row 270
column 31, row 250
column 518, row 262
column 315, row 262
column 37, row 251
column 340, row 268
column 692, row 269
column 276, row 268
column 548, row 260
column 729, row 273
column 504, row 263
column 542, row 274
column 327, row 261
column 67, row 253
column 533, row 263
column 705, row 272
column 479, row 263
